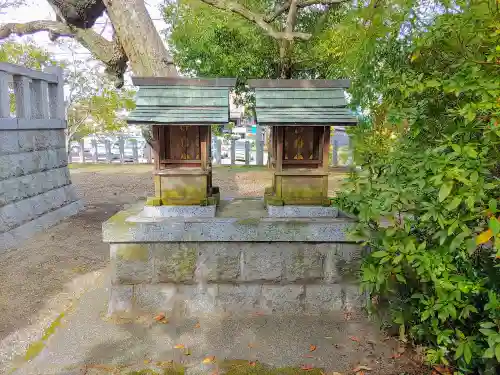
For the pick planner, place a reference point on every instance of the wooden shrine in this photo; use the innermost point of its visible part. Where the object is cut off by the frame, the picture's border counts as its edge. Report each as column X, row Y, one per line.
column 300, row 113
column 181, row 112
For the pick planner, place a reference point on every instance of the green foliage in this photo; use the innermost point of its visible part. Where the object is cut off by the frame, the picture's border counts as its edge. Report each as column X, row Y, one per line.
column 209, row 42
column 26, row 54
column 429, row 149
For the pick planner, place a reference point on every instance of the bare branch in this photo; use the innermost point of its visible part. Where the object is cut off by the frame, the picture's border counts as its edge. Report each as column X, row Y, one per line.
column 109, row 52
column 301, row 4
column 256, row 18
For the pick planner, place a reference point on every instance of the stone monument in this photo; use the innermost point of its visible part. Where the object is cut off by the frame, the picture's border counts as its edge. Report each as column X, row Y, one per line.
column 169, row 255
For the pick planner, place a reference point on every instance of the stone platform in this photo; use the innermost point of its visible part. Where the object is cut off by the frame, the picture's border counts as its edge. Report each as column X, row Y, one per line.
column 240, row 260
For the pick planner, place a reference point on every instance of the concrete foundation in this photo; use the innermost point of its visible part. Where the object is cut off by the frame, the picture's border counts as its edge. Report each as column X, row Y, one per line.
column 240, row 260
column 302, row 211
column 178, row 211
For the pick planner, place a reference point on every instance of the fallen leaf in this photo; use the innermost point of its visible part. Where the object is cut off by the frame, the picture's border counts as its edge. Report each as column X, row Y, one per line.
column 159, row 317
column 258, row 313
column 210, row 359
column 312, row 348
column 360, row 368
column 179, row 346
column 354, row 338
column 147, row 361
column 251, row 363
column 197, row 325
column 251, row 345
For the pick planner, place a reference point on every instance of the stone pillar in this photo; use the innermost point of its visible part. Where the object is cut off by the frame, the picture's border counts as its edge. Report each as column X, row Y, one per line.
column 148, row 154
column 247, row 152
column 121, row 143
column 82, row 151
column 94, row 151
column 135, row 151
column 259, row 147
column 107, row 145
column 233, row 151
column 218, row 151
column 335, row 150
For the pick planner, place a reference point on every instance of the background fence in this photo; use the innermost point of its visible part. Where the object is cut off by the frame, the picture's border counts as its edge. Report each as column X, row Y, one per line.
column 123, row 149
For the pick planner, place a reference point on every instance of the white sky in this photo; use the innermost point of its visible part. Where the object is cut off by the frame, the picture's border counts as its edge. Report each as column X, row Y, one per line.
column 40, row 9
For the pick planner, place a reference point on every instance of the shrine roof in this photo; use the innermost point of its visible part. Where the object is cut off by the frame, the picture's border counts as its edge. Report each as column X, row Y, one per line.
column 302, row 102
column 181, row 101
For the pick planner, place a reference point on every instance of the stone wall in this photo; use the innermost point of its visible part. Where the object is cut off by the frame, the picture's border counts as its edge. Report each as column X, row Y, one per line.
column 35, row 185
column 290, row 277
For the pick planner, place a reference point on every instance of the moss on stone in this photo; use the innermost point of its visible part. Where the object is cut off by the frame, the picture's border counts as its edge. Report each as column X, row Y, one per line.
column 243, row 367
column 211, row 201
column 153, row 201
column 274, row 201
column 249, row 221
column 36, row 347
column 132, row 252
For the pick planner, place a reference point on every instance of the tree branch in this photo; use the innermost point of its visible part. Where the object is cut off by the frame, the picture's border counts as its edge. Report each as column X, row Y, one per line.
column 301, row 4
column 256, row 18
column 109, row 52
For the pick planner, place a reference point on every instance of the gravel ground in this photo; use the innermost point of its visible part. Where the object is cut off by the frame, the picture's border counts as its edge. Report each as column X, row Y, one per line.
column 39, row 270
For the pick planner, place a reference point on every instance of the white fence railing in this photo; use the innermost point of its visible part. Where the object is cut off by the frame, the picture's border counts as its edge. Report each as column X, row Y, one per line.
column 224, row 152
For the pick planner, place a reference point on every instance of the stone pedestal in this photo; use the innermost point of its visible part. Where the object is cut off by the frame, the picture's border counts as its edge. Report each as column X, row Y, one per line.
column 182, row 186
column 240, row 260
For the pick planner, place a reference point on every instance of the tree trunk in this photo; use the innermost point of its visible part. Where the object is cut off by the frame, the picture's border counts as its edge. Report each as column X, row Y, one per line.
column 139, row 38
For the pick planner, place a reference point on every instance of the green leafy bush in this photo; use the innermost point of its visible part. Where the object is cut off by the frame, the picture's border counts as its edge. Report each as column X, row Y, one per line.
column 428, row 189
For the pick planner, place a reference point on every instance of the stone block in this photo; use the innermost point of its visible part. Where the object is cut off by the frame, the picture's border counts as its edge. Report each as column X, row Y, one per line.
column 9, row 143
column 155, row 297
column 262, row 262
column 303, row 261
column 222, row 260
column 323, row 298
column 348, row 261
column 283, row 298
column 174, row 262
column 353, row 298
column 177, row 211
column 301, row 211
column 234, row 298
column 196, row 299
column 131, row 263
column 120, row 299
column 331, row 274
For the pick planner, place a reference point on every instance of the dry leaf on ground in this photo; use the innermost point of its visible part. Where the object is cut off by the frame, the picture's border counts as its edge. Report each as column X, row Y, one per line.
column 312, row 348
column 159, row 317
column 209, row 359
column 179, row 346
column 354, row 338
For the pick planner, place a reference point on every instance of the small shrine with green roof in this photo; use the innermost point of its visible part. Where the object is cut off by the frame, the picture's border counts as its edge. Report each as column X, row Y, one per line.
column 300, row 114
column 181, row 112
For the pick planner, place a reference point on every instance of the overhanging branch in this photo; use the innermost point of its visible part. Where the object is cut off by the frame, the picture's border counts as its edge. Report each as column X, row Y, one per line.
column 109, row 52
column 301, row 4
column 256, row 18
